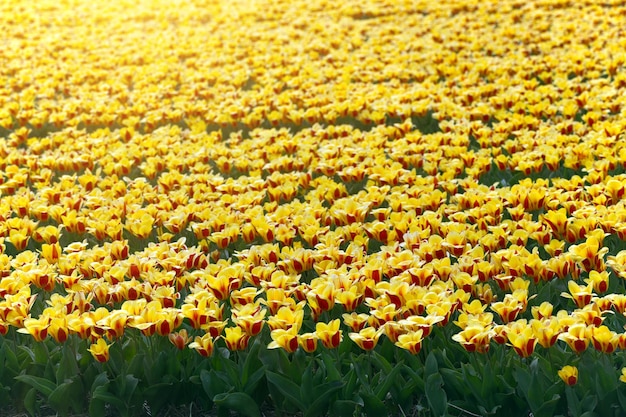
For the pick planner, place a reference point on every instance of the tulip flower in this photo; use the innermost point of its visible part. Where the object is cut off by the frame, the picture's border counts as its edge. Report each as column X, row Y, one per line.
column 580, row 294
column 603, row 339
column 286, row 339
column 100, row 350
column 250, row 317
column 308, row 342
column 286, row 318
column 542, row 311
column 411, row 341
column 523, row 342
column 179, row 339
column 507, row 309
column 355, row 321
column 474, row 338
column 569, row 374
column 201, row 344
column 598, row 280
column 577, row 337
column 38, row 328
column 546, row 331
column 236, row 338
column 367, row 338
column 329, row 334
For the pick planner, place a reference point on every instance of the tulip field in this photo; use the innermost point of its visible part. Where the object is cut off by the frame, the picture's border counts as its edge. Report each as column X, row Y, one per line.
column 313, row 208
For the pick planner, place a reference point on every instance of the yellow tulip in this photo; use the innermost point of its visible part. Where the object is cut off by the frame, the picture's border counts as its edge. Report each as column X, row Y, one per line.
column 100, row 350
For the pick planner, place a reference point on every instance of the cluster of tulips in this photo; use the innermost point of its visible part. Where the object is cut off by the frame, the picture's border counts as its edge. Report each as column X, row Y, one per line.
column 203, row 175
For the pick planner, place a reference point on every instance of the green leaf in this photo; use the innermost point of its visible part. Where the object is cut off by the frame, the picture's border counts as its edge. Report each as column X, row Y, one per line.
column 27, row 353
column 548, row 407
column 67, row 366
column 67, row 395
column 435, row 395
column 573, row 404
column 381, row 362
column 430, row 367
column 43, row 385
column 97, row 408
column 30, row 402
column 239, row 402
column 41, row 355
column 129, row 385
column 306, row 386
column 491, row 412
column 101, row 393
column 253, row 380
column 344, row 408
column 350, row 384
column 622, row 399
column 455, row 379
column 100, row 380
column 523, row 379
column 136, row 366
column 252, row 362
column 388, row 380
column 322, row 395
column 373, row 406
column 157, row 395
column 332, row 372
column 11, row 359
column 363, row 378
column 589, row 403
column 232, row 376
column 325, row 389
column 290, row 390
column 210, row 383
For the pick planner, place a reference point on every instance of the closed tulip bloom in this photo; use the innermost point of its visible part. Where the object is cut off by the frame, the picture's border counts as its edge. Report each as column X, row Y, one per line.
column 203, row 345
column 100, row 350
column 411, row 341
column 544, row 310
column 507, row 309
column 577, row 337
column 322, row 296
column 603, row 339
column 51, row 252
column 329, row 333
column 424, row 323
column 277, row 298
column 523, row 342
column 350, row 298
column 599, row 280
column 580, row 294
column 250, row 318
column 546, row 331
column 383, row 314
column 58, row 329
column 308, row 342
column 168, row 321
column 236, row 338
column 179, row 339
column 569, row 374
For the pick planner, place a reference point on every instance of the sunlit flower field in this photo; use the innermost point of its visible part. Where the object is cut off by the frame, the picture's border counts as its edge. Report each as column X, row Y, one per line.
column 345, row 208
